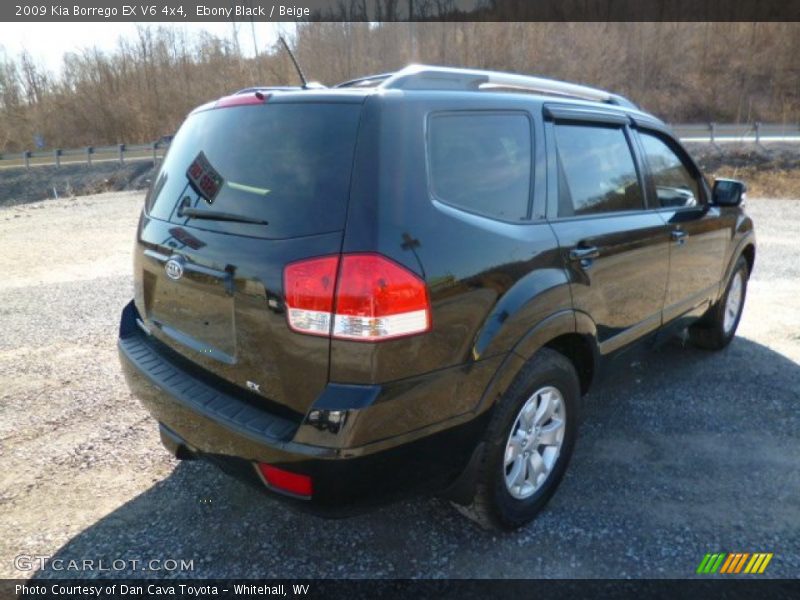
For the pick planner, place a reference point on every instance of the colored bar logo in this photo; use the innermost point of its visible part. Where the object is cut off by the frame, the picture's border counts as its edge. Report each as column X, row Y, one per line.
column 734, row 563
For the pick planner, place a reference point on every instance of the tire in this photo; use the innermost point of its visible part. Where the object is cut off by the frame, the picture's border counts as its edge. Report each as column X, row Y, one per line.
column 547, row 380
column 717, row 328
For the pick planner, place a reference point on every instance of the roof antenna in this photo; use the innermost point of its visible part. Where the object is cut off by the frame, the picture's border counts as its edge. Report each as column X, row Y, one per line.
column 306, row 85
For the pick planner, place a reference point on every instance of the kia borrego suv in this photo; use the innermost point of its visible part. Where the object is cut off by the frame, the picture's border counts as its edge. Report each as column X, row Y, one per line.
column 406, row 282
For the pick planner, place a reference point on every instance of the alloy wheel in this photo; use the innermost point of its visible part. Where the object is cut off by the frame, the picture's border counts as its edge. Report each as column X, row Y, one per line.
column 534, row 443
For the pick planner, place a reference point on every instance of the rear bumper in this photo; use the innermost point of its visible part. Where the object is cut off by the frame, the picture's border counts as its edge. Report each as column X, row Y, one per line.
column 201, row 419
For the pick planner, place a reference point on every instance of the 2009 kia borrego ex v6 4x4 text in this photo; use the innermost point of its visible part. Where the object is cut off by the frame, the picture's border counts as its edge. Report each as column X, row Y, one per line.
column 406, row 282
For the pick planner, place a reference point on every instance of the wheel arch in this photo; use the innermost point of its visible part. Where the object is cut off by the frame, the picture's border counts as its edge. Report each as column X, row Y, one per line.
column 749, row 253
column 745, row 247
column 578, row 349
column 569, row 332
column 572, row 334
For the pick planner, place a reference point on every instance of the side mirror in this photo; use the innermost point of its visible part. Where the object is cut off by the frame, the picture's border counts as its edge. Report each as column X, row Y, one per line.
column 729, row 192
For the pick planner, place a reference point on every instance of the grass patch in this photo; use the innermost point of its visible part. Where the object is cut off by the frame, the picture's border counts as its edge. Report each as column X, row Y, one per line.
column 770, row 171
column 766, row 183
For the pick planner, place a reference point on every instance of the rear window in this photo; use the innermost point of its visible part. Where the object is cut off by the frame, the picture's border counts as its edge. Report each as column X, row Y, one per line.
column 287, row 165
column 482, row 162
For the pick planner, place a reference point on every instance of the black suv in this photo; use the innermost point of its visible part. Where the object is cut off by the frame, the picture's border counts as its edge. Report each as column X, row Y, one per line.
column 407, row 281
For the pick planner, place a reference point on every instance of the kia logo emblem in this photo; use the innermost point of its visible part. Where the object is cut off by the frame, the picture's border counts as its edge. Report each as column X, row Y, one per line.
column 174, row 268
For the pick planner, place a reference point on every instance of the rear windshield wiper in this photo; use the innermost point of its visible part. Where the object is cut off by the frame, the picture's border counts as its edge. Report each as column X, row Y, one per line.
column 216, row 215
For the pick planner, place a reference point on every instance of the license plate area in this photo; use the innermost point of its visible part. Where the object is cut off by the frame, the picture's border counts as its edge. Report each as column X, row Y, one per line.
column 198, row 312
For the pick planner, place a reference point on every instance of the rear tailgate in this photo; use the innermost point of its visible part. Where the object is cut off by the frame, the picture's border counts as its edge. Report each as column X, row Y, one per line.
column 243, row 191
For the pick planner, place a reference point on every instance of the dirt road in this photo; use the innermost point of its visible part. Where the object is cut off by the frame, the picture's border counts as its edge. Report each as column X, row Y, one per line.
column 685, row 453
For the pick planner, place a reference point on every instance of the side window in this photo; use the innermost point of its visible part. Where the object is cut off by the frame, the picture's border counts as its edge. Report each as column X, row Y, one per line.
column 675, row 184
column 596, row 172
column 482, row 162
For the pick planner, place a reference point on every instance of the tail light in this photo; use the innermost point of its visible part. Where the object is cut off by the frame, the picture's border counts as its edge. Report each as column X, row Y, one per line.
column 374, row 298
column 309, row 287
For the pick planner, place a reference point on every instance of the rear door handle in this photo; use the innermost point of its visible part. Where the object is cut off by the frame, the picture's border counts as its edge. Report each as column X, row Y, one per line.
column 225, row 276
column 678, row 235
column 584, row 253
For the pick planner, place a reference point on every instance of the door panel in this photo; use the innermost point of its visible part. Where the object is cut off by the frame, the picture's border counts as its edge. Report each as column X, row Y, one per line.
column 699, row 235
column 616, row 252
column 623, row 287
column 699, row 240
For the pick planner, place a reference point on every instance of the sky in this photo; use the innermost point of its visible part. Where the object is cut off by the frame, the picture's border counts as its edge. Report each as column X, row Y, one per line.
column 47, row 42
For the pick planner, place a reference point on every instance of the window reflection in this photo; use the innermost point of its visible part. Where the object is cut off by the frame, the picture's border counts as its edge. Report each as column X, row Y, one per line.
column 596, row 171
column 482, row 163
column 675, row 186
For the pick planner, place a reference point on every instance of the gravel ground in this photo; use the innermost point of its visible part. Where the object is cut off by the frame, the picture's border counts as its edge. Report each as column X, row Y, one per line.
column 685, row 452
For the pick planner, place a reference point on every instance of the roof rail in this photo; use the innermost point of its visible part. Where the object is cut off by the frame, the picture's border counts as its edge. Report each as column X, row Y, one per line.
column 425, row 77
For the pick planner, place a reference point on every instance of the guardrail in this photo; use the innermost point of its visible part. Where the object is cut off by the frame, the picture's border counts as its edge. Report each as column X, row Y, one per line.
column 120, row 153
column 721, row 133
column 714, row 133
